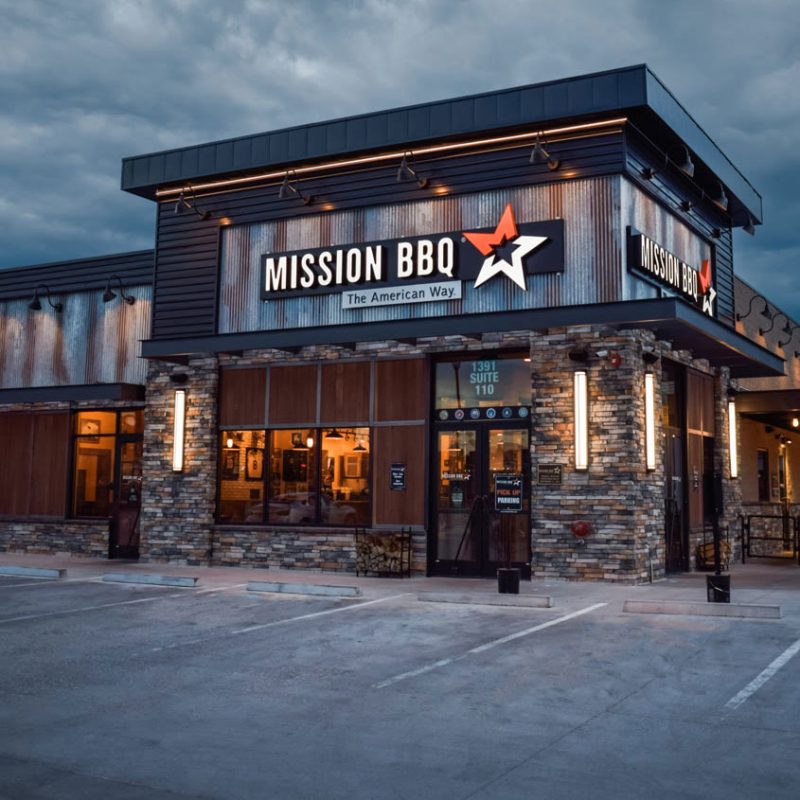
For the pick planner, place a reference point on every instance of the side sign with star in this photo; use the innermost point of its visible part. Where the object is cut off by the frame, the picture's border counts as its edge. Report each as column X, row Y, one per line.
column 648, row 258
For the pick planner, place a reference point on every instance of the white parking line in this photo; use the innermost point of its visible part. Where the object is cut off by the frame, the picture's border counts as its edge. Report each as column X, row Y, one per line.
column 251, row 628
column 49, row 582
column 763, row 677
column 484, row 647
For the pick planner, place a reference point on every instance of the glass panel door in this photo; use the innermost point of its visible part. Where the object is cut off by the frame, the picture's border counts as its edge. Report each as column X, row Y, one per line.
column 124, row 538
column 458, row 502
column 509, row 505
column 482, row 504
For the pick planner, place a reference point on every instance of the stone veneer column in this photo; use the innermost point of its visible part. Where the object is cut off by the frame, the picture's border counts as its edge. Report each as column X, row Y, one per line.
column 731, row 487
column 622, row 501
column 178, row 507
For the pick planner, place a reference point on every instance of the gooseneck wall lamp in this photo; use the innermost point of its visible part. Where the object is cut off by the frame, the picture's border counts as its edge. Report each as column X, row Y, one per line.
column 289, row 186
column 408, row 171
column 35, row 303
column 789, row 330
column 182, row 204
column 771, row 316
column 740, row 317
column 109, row 295
column 540, row 155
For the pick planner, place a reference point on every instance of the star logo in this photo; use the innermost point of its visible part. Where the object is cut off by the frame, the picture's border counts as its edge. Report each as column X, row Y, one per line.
column 488, row 244
column 706, row 289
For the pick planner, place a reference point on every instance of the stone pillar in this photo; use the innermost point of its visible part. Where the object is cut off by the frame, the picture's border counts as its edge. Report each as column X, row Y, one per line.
column 731, row 487
column 621, row 500
column 178, row 507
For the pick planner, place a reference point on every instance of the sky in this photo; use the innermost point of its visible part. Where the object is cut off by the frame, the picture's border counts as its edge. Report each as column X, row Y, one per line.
column 84, row 83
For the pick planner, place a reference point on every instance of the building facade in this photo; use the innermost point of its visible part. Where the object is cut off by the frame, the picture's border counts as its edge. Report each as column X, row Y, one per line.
column 506, row 326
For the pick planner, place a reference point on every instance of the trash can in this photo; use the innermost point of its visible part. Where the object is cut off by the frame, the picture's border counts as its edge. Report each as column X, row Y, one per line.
column 718, row 588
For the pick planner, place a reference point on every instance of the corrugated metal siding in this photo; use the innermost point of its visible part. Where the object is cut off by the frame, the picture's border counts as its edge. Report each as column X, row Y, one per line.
column 89, row 342
column 590, row 209
column 187, row 251
column 135, row 269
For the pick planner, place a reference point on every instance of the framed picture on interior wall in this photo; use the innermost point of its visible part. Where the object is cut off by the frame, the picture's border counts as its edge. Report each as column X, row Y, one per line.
column 297, row 439
column 90, row 427
column 230, row 465
column 254, row 464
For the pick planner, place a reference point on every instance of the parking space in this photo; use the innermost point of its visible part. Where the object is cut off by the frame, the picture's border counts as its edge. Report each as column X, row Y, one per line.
column 121, row 690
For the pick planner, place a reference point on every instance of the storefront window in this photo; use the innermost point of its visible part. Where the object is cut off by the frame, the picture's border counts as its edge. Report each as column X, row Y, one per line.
column 96, row 436
column 241, row 476
column 482, row 383
column 310, row 476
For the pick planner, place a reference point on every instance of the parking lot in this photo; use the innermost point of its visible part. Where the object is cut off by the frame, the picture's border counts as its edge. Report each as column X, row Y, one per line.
column 132, row 691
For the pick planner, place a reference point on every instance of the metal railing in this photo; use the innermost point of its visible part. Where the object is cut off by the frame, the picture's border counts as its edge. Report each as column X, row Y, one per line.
column 775, row 536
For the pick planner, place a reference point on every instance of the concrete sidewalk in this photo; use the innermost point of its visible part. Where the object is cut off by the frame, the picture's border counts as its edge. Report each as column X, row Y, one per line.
column 767, row 582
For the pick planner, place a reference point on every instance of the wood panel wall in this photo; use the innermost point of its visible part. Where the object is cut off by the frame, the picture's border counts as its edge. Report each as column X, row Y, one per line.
column 405, row 445
column 34, row 467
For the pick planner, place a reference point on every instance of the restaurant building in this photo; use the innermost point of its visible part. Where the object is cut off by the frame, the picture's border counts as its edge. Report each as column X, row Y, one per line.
column 505, row 325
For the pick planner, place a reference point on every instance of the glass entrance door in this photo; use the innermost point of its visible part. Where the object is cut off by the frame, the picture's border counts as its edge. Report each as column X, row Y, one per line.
column 482, row 504
column 126, row 508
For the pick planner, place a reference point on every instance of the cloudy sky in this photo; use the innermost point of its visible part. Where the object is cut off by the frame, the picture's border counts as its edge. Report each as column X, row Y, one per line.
column 85, row 82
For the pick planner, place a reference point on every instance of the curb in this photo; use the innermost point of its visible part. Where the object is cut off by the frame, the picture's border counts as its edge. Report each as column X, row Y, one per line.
column 316, row 589
column 702, row 609
column 520, row 601
column 33, row 572
column 151, row 580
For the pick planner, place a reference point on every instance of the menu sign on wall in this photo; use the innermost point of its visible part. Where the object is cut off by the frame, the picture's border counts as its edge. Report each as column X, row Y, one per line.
column 650, row 259
column 420, row 268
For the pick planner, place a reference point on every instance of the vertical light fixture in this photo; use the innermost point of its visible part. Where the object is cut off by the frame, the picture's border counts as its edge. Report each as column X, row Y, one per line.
column 581, row 420
column 733, row 445
column 649, row 420
column 179, row 429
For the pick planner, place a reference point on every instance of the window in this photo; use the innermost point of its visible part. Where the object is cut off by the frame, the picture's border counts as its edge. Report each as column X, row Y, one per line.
column 482, row 383
column 762, row 475
column 95, row 441
column 295, row 476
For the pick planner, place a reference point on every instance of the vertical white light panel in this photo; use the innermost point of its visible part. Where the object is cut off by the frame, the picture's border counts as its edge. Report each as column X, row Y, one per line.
column 581, row 421
column 649, row 420
column 733, row 445
column 179, row 430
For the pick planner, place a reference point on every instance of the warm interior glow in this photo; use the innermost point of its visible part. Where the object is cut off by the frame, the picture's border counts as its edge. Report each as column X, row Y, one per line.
column 581, row 421
column 178, row 430
column 732, row 443
column 649, row 421
column 395, row 154
column 795, row 422
column 310, row 442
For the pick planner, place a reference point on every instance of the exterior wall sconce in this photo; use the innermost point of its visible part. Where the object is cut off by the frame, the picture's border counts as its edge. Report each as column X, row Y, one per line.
column 408, row 171
column 649, row 421
column 289, row 186
column 789, row 330
column 36, row 304
column 109, row 295
column 539, row 155
column 179, row 430
column 685, row 164
column 720, row 199
column 182, row 204
column 771, row 316
column 740, row 317
column 733, row 445
column 581, row 399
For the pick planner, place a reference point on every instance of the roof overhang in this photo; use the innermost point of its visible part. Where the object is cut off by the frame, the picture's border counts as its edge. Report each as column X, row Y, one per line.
column 776, row 401
column 669, row 318
column 73, row 394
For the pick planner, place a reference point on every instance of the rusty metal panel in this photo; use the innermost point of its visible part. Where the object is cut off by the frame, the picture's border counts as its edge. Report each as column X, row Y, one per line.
column 593, row 255
column 88, row 342
column 643, row 213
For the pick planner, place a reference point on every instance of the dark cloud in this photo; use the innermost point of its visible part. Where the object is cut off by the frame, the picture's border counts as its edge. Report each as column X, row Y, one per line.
column 86, row 82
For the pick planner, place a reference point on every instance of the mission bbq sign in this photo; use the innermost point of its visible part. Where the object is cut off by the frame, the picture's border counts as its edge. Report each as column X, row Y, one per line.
column 649, row 258
column 416, row 269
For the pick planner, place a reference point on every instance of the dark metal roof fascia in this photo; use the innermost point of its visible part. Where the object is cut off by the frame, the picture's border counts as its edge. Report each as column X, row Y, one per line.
column 765, row 402
column 674, row 115
column 69, row 276
column 581, row 96
column 68, row 394
column 670, row 318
